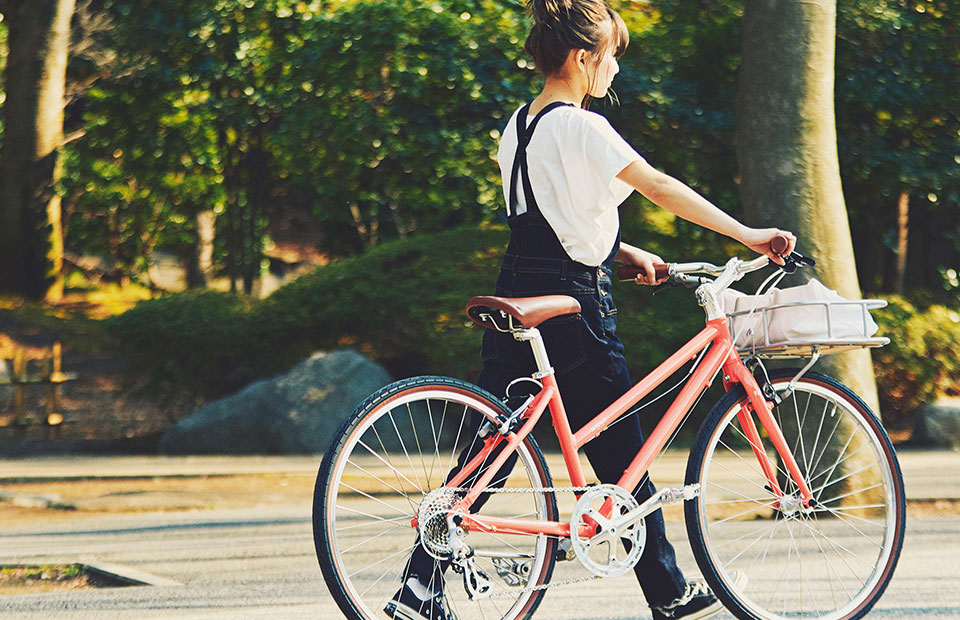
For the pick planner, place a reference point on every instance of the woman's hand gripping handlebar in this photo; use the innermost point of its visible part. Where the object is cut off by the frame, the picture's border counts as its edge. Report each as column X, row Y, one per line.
column 779, row 246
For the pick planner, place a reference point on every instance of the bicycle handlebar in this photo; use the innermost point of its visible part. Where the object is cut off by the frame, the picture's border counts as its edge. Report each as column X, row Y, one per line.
column 778, row 245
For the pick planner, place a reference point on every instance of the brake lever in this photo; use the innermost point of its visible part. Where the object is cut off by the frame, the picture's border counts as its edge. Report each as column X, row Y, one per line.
column 794, row 260
column 662, row 287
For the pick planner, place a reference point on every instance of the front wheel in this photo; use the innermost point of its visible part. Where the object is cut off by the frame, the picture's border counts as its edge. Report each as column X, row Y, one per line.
column 831, row 561
column 398, row 447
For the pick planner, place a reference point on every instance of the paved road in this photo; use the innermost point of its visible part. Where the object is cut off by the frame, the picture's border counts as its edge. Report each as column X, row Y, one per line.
column 259, row 563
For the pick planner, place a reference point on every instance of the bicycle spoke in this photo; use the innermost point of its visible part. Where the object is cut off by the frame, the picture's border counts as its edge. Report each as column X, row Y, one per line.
column 405, row 452
column 436, row 434
column 724, row 520
column 841, row 461
column 394, row 469
column 416, row 440
column 857, row 492
column 833, row 432
column 776, row 522
column 384, row 483
column 835, row 544
column 456, row 442
column 816, row 441
column 745, row 549
column 377, row 522
column 374, row 517
column 838, row 512
column 843, row 519
column 803, row 451
column 760, row 448
column 382, row 560
column 727, row 469
column 367, row 540
column 379, row 501
column 851, row 474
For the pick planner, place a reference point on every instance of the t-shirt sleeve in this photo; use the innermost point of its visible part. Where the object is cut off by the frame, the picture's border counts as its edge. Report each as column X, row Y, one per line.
column 604, row 149
column 593, row 153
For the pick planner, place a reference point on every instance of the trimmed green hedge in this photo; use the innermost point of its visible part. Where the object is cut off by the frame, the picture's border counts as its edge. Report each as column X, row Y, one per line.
column 401, row 303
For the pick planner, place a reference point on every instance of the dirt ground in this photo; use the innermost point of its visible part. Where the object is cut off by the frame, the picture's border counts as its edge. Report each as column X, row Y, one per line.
column 85, row 498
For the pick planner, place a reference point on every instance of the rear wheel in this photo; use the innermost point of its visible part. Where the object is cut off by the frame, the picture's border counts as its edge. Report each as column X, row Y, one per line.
column 830, row 561
column 395, row 449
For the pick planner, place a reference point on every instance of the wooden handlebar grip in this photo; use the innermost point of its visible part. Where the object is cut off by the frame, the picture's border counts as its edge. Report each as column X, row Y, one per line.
column 779, row 245
column 629, row 272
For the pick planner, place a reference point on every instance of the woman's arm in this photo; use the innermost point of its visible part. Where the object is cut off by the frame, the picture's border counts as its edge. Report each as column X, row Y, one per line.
column 672, row 195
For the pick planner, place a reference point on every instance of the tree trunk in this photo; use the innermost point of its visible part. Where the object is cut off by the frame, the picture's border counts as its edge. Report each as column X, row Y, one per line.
column 200, row 261
column 31, row 235
column 903, row 230
column 787, row 148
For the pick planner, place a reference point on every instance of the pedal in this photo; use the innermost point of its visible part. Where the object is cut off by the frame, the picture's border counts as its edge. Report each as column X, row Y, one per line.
column 476, row 582
column 565, row 552
column 672, row 496
column 513, row 572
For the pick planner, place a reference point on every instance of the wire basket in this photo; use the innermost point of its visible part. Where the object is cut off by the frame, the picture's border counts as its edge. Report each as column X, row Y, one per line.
column 845, row 324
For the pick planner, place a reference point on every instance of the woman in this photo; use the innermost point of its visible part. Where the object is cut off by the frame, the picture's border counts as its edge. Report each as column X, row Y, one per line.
column 565, row 172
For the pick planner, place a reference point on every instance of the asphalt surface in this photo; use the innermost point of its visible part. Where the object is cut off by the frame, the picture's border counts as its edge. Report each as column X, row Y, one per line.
column 258, row 561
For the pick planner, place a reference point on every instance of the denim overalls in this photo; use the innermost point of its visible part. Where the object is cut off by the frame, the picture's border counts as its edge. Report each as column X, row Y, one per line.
column 586, row 354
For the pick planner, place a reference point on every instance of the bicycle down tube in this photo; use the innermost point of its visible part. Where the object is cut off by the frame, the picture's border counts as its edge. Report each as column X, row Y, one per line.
column 721, row 355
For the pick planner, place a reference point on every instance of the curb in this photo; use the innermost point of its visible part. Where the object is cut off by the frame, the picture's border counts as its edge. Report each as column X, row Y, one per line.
column 128, row 575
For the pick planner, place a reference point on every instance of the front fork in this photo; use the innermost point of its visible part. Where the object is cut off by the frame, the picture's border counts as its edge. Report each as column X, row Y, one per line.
column 734, row 372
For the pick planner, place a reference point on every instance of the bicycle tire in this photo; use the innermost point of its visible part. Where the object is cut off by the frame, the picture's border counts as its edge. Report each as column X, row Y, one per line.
column 857, row 543
column 419, row 398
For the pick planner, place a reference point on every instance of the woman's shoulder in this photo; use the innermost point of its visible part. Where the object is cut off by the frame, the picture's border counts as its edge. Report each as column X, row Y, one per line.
column 585, row 122
column 577, row 114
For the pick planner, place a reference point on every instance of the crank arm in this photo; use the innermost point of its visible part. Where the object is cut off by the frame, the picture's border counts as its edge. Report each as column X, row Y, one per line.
column 656, row 501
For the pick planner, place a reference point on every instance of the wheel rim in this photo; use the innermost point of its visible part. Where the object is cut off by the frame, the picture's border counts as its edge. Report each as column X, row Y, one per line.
column 825, row 563
column 400, row 451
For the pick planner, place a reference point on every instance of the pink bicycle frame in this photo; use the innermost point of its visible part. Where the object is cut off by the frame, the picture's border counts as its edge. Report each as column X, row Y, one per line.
column 721, row 355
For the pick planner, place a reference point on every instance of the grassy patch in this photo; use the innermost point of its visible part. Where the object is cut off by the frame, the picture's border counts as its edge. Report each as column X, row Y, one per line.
column 51, row 578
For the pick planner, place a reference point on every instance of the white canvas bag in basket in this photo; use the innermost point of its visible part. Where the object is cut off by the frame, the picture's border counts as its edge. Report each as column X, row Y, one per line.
column 811, row 319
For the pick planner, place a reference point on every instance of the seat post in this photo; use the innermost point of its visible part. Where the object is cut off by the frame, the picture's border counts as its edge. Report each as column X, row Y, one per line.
column 532, row 335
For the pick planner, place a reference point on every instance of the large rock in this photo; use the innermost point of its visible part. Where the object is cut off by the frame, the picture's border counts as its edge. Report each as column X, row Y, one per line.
column 938, row 424
column 294, row 413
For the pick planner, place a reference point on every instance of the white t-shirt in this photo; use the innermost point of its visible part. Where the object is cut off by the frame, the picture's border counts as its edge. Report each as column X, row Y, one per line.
column 573, row 160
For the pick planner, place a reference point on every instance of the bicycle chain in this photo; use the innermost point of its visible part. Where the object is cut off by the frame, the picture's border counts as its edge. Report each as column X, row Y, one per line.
column 544, row 586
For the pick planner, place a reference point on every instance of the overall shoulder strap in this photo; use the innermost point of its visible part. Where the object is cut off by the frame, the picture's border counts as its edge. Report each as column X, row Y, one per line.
column 524, row 134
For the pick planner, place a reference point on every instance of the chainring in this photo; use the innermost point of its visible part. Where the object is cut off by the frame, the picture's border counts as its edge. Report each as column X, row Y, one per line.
column 608, row 553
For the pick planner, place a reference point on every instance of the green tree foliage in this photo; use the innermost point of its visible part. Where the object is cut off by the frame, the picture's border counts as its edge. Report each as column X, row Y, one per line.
column 898, row 127
column 379, row 116
column 398, row 107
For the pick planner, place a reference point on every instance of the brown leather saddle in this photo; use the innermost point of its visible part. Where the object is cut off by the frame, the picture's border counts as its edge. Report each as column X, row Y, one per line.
column 504, row 313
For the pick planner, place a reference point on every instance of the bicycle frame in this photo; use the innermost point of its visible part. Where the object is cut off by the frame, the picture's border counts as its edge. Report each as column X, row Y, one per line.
column 721, row 355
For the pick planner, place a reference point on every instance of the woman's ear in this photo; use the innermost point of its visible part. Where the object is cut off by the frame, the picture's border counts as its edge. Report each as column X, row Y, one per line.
column 581, row 59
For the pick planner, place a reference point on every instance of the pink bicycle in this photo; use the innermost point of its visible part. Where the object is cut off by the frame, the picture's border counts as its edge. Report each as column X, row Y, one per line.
column 793, row 497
